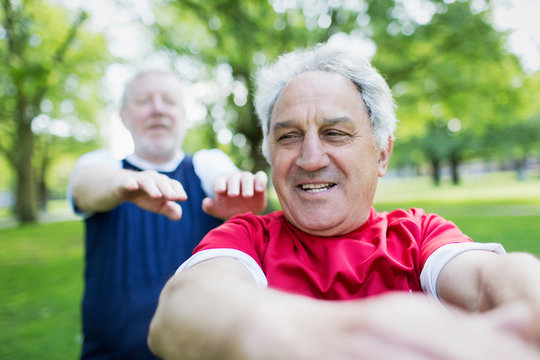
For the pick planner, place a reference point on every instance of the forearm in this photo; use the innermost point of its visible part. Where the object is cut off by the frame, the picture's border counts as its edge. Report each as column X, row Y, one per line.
column 196, row 315
column 511, row 277
column 216, row 312
column 216, row 317
column 481, row 280
column 96, row 188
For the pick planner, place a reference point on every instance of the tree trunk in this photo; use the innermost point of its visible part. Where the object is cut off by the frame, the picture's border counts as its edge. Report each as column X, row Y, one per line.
column 26, row 209
column 454, row 168
column 436, row 171
column 521, row 168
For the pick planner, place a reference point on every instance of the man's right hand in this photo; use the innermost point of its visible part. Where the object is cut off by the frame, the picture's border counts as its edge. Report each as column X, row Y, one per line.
column 152, row 191
column 99, row 188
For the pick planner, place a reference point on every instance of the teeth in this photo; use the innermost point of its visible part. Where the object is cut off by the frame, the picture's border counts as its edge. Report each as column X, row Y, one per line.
column 314, row 188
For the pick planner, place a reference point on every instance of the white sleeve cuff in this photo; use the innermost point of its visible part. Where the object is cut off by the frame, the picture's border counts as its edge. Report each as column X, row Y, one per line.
column 441, row 256
column 209, row 165
column 252, row 266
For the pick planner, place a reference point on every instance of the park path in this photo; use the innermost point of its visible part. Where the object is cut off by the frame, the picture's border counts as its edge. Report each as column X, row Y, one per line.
column 63, row 214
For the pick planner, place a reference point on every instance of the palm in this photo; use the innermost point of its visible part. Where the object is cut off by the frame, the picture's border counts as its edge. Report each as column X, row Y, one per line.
column 224, row 207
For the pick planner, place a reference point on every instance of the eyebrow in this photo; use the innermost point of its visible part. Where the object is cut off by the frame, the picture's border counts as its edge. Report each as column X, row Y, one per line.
column 338, row 120
column 326, row 122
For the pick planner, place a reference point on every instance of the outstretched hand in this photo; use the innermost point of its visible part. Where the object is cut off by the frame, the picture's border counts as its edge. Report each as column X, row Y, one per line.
column 237, row 193
column 154, row 192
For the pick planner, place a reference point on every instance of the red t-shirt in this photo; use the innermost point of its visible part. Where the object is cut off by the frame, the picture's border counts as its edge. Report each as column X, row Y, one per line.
column 386, row 253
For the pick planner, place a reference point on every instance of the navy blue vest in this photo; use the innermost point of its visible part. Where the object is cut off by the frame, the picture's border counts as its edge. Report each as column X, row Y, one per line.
column 130, row 254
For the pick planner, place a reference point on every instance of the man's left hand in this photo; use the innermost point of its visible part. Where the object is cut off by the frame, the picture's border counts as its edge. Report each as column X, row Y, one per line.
column 237, row 193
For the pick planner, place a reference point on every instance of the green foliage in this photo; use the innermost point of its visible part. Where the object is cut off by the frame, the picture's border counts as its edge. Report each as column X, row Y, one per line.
column 453, row 67
column 241, row 35
column 452, row 70
column 50, row 70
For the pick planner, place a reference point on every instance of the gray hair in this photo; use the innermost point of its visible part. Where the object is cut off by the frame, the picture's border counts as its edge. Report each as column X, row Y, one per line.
column 348, row 62
column 152, row 71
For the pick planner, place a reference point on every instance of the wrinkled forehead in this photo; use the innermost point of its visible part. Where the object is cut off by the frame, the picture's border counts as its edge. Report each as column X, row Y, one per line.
column 318, row 93
column 149, row 83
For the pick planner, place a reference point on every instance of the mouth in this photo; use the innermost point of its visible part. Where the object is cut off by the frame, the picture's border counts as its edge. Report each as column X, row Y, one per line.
column 158, row 122
column 316, row 188
column 157, row 126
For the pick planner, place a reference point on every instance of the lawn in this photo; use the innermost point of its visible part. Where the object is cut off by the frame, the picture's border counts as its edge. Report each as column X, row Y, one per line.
column 40, row 290
column 41, row 265
column 488, row 208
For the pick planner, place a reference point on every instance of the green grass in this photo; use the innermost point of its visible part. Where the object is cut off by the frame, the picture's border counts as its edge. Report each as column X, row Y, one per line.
column 41, row 265
column 488, row 208
column 516, row 233
column 40, row 291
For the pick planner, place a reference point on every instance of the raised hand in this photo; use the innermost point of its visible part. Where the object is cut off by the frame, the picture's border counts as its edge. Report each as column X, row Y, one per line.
column 152, row 191
column 237, row 193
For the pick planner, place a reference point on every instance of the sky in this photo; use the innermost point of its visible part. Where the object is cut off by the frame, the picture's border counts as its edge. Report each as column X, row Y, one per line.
column 521, row 17
column 130, row 40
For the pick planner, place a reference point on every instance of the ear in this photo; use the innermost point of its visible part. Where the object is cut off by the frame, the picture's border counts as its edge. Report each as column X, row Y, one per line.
column 123, row 117
column 384, row 157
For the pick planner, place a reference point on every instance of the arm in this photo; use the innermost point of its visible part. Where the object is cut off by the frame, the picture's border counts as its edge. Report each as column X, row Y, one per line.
column 100, row 187
column 481, row 280
column 214, row 311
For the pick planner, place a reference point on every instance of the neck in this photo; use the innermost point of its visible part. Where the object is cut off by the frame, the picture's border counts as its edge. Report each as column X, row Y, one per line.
column 146, row 163
column 156, row 159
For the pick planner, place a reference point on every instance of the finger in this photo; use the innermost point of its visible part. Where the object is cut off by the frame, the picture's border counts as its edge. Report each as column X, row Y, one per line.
column 172, row 210
column 247, row 181
column 208, row 206
column 165, row 186
column 233, row 184
column 171, row 189
column 149, row 186
column 220, row 185
column 130, row 184
column 180, row 193
column 261, row 181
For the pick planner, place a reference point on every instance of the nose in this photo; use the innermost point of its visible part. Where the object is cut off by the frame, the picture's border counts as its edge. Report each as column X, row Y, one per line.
column 158, row 106
column 313, row 154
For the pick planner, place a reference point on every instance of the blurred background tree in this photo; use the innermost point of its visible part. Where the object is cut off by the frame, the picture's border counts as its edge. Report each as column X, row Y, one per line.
column 50, row 70
column 234, row 38
column 461, row 95
column 449, row 68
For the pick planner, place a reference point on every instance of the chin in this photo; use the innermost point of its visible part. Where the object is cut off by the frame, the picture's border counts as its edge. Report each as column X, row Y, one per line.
column 160, row 149
column 325, row 227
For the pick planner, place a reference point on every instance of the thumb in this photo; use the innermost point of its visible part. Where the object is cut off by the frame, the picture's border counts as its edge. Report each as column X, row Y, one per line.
column 208, row 205
column 172, row 210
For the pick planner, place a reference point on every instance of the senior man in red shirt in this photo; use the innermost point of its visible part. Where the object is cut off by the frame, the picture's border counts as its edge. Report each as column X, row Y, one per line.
column 259, row 287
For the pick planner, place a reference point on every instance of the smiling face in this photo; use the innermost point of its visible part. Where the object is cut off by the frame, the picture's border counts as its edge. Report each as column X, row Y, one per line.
column 154, row 114
column 325, row 166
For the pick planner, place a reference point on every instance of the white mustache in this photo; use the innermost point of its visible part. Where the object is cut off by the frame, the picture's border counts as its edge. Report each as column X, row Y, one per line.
column 324, row 175
column 159, row 121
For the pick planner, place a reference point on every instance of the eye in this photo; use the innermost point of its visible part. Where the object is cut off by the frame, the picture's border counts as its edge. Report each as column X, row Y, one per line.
column 335, row 136
column 288, row 138
column 332, row 133
column 169, row 101
column 142, row 100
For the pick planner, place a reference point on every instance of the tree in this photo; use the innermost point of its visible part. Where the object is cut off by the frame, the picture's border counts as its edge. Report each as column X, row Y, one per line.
column 49, row 67
column 240, row 36
column 450, row 67
column 514, row 141
column 450, row 72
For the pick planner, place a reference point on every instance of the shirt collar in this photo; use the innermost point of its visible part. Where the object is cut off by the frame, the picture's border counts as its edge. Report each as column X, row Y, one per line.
column 168, row 166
